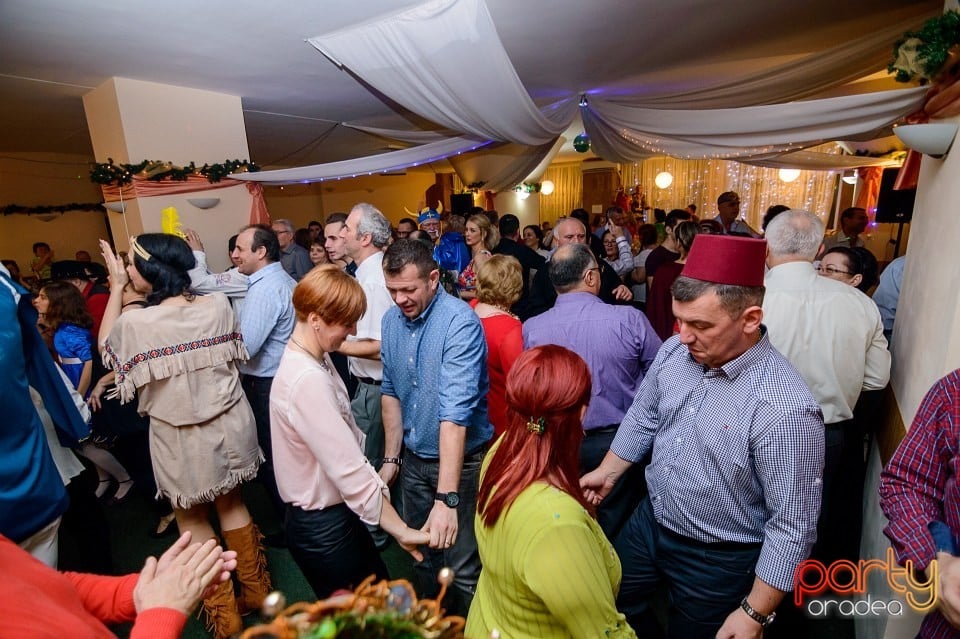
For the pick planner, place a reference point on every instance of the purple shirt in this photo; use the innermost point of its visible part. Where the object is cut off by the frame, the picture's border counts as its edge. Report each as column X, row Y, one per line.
column 617, row 342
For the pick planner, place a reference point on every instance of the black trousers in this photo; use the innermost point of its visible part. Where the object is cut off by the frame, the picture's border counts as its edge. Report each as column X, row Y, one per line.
column 332, row 547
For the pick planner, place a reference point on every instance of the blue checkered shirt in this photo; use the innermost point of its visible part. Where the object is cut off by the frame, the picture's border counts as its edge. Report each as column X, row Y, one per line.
column 737, row 453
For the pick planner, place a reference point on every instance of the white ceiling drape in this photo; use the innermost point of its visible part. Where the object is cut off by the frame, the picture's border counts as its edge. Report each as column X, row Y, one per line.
column 425, row 59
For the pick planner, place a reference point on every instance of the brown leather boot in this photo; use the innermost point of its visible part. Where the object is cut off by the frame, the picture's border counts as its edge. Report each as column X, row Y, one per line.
column 251, row 566
column 223, row 620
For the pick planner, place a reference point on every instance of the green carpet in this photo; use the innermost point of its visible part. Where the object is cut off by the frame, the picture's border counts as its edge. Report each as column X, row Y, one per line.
column 131, row 522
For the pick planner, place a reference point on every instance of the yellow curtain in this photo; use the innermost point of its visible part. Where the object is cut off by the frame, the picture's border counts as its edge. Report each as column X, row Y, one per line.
column 701, row 181
column 567, row 194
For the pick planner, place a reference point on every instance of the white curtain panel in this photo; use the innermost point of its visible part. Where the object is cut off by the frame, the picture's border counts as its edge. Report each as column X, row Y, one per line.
column 368, row 165
column 444, row 61
column 620, row 132
column 503, row 167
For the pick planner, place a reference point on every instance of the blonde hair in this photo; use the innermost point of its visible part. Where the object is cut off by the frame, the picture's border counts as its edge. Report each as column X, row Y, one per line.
column 330, row 293
column 489, row 233
column 499, row 281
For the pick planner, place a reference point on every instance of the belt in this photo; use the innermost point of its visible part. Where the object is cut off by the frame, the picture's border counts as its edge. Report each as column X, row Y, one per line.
column 709, row 545
column 429, row 460
column 612, row 428
column 370, row 380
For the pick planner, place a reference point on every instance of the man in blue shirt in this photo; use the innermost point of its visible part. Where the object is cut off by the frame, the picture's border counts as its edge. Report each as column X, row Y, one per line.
column 266, row 323
column 434, row 399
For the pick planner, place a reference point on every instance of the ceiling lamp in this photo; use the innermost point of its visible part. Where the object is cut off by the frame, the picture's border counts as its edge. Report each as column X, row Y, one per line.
column 546, row 187
column 663, row 179
column 933, row 138
column 789, row 175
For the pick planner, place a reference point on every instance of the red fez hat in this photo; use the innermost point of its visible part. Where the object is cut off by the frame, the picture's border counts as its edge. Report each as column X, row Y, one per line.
column 726, row 259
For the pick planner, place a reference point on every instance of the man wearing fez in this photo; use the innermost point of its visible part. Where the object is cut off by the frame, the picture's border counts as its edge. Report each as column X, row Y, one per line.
column 737, row 455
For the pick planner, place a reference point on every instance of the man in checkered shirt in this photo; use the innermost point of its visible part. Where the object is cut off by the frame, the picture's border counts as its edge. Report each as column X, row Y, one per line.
column 736, row 440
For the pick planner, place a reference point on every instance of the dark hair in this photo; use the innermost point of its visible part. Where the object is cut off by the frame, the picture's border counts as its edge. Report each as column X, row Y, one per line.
column 614, row 210
column 37, row 245
column 407, row 220
column 67, row 306
column 772, row 212
column 493, row 216
column 407, row 251
column 659, row 216
column 232, row 243
column 333, row 218
column 685, row 232
column 266, row 237
column 168, row 266
column 314, row 222
column 583, row 216
column 849, row 211
column 647, row 234
column 547, row 385
column 692, row 207
column 303, row 238
column 676, row 216
column 568, row 265
column 536, row 231
column 733, row 299
column 710, row 226
column 509, row 224
column 860, row 261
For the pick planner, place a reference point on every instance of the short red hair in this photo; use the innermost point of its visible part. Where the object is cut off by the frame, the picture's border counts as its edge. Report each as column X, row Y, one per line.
column 552, row 383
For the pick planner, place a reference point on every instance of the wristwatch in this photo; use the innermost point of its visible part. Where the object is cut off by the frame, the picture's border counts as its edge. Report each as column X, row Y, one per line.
column 450, row 500
column 763, row 620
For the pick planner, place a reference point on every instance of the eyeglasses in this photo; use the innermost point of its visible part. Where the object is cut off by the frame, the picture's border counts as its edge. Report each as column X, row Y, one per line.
column 831, row 270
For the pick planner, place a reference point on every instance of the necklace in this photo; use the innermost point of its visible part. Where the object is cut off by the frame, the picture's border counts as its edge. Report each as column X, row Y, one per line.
column 319, row 358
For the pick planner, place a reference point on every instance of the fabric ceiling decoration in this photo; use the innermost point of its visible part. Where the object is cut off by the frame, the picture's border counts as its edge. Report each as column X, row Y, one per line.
column 813, row 161
column 421, row 59
column 368, row 165
column 505, row 166
column 619, row 132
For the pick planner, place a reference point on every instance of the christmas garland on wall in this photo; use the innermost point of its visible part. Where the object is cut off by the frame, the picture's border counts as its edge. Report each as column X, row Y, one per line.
column 153, row 170
column 11, row 209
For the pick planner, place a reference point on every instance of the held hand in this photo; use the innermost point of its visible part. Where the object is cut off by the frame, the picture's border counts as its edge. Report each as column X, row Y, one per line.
column 739, row 625
column 411, row 539
column 442, row 524
column 115, row 265
column 180, row 577
column 622, row 293
column 388, row 473
column 596, row 485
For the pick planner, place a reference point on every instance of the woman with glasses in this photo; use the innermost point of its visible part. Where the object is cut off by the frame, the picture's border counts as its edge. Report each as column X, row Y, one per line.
column 854, row 266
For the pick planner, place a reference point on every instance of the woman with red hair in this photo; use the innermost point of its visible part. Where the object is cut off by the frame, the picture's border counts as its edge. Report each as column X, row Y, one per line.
column 548, row 569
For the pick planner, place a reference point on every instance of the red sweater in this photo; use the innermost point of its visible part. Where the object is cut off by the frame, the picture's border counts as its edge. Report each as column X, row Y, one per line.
column 37, row 602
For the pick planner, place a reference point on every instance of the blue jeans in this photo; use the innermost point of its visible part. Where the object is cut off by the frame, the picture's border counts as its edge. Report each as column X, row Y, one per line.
column 418, row 485
column 704, row 582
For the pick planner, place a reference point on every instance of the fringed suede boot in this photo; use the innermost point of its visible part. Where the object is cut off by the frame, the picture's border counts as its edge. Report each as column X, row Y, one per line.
column 251, row 566
column 220, row 609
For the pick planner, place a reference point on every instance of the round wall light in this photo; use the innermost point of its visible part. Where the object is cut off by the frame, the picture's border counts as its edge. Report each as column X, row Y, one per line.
column 663, row 179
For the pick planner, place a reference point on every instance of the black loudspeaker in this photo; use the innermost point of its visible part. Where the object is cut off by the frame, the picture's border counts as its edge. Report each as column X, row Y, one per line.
column 894, row 207
column 461, row 203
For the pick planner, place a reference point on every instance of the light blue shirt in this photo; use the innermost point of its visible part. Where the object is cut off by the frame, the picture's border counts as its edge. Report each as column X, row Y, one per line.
column 888, row 293
column 267, row 319
column 436, row 365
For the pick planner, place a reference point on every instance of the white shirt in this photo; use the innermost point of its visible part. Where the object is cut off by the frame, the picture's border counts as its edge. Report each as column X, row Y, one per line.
column 830, row 332
column 370, row 277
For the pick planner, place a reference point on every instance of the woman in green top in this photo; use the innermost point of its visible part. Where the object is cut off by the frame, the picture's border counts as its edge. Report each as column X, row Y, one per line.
column 548, row 569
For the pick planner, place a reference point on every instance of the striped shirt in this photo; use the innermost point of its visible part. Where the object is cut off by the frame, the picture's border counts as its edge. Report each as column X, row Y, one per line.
column 737, row 453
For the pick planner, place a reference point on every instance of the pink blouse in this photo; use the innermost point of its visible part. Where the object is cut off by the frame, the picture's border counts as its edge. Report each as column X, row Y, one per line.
column 317, row 447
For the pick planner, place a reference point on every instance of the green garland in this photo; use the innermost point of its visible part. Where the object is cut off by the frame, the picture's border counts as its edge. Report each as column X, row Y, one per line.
column 120, row 174
column 11, row 209
column 921, row 55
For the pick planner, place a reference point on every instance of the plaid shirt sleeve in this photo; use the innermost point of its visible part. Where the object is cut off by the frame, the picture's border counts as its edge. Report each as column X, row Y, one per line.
column 918, row 486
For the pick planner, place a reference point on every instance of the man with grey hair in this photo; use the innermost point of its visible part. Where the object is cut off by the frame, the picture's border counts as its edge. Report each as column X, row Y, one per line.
column 833, row 335
column 618, row 344
column 294, row 258
column 365, row 234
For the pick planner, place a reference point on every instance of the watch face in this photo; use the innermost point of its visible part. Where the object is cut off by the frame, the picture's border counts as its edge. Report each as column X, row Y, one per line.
column 452, row 500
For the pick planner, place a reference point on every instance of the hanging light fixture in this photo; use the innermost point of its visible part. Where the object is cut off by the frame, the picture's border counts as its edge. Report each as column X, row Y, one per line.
column 789, row 175
column 663, row 180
